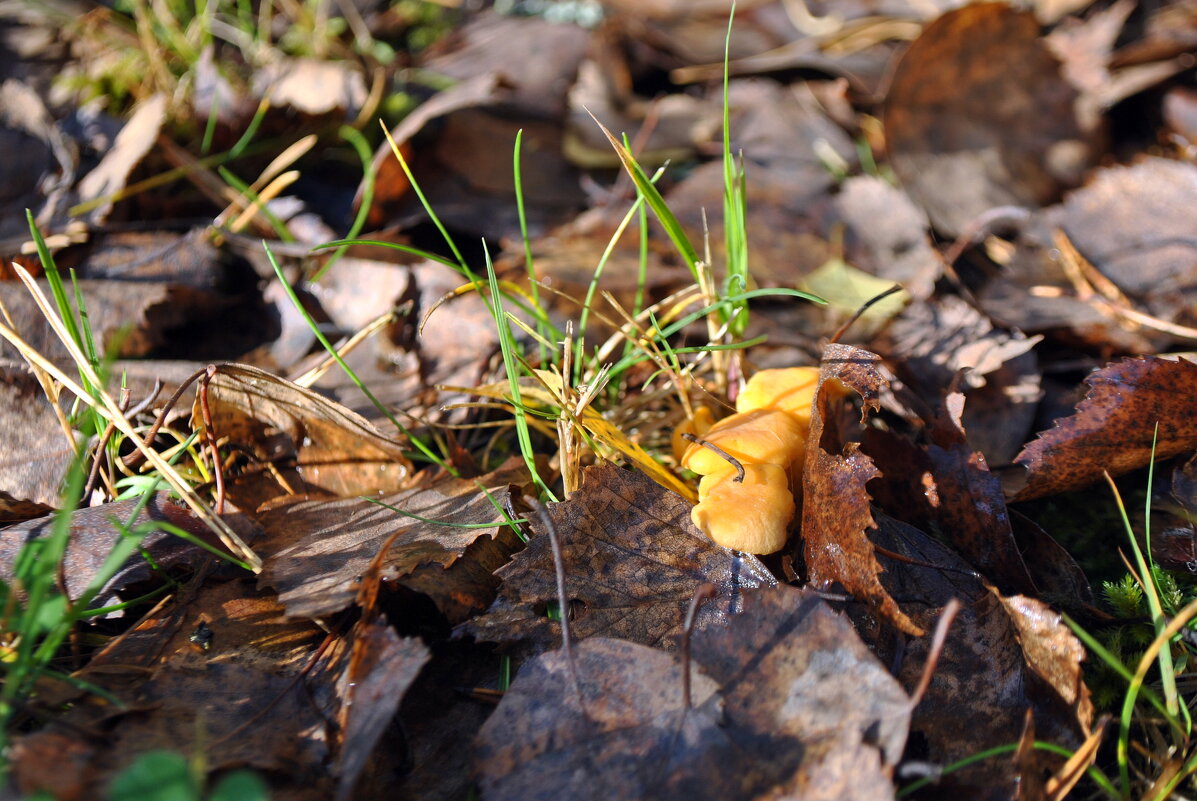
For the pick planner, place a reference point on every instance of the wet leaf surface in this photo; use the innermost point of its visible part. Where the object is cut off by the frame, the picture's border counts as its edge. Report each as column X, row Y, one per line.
column 632, row 562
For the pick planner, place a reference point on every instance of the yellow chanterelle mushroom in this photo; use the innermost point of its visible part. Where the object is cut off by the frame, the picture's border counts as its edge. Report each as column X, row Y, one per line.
column 752, row 515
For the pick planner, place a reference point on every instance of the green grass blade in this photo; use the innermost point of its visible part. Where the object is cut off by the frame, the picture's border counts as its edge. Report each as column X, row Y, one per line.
column 673, row 228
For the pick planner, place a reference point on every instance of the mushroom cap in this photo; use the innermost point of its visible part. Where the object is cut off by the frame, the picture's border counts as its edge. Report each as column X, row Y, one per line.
column 763, row 436
column 786, row 389
column 753, row 515
column 697, row 425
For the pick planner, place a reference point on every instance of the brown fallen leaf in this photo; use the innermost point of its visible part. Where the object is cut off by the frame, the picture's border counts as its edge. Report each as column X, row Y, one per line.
column 787, row 703
column 632, row 562
column 971, row 508
column 315, row 551
column 1112, row 428
column 135, row 140
column 835, row 503
column 34, row 450
column 137, row 316
column 94, row 534
column 382, row 666
column 789, row 667
column 978, row 117
column 332, row 447
column 1001, row 656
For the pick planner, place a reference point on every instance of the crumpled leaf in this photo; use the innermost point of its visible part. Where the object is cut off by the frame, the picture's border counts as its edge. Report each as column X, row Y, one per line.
column 978, row 117
column 1112, row 428
column 316, row 550
column 835, row 503
column 787, row 703
column 632, row 561
column 969, row 505
column 334, row 448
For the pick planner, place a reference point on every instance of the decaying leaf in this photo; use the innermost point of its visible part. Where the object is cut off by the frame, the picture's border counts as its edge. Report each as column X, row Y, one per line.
column 632, row 562
column 34, row 450
column 94, row 533
column 315, row 551
column 1113, row 428
column 132, row 144
column 1001, row 656
column 978, row 116
column 333, row 448
column 786, row 703
column 382, row 665
column 835, row 503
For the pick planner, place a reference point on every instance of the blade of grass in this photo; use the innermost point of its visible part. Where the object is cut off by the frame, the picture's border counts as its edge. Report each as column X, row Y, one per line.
column 510, row 365
column 529, row 265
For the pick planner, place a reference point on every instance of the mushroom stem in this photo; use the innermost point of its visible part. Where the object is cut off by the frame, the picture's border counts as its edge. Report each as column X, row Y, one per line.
column 733, row 461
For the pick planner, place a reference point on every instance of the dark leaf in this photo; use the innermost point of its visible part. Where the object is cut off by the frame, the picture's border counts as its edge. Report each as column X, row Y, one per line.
column 632, row 562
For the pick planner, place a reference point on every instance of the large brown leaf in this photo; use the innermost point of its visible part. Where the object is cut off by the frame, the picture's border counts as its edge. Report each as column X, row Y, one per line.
column 632, row 562
column 976, row 110
column 1113, row 427
column 787, row 703
column 316, row 551
column 1001, row 656
column 835, row 503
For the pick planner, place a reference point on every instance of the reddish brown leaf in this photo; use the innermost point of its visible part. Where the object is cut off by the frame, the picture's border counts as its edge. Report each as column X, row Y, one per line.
column 1112, row 428
column 316, row 550
column 632, row 561
column 835, row 503
column 976, row 110
column 971, row 509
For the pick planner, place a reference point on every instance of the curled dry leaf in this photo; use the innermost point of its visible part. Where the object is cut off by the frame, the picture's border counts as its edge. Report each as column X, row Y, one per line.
column 835, row 505
column 976, row 110
column 382, row 666
column 1113, row 428
column 333, row 448
column 316, row 551
column 632, row 561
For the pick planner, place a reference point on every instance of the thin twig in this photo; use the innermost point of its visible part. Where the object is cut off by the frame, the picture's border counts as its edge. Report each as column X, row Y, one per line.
column 562, row 599
column 135, row 458
column 210, row 437
column 733, row 461
column 941, row 634
column 864, row 308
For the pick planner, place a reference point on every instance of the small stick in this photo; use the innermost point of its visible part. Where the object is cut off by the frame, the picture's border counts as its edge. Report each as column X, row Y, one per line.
column 701, row 594
column 210, row 436
column 562, row 600
column 135, row 458
column 941, row 634
column 864, row 307
column 733, row 461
